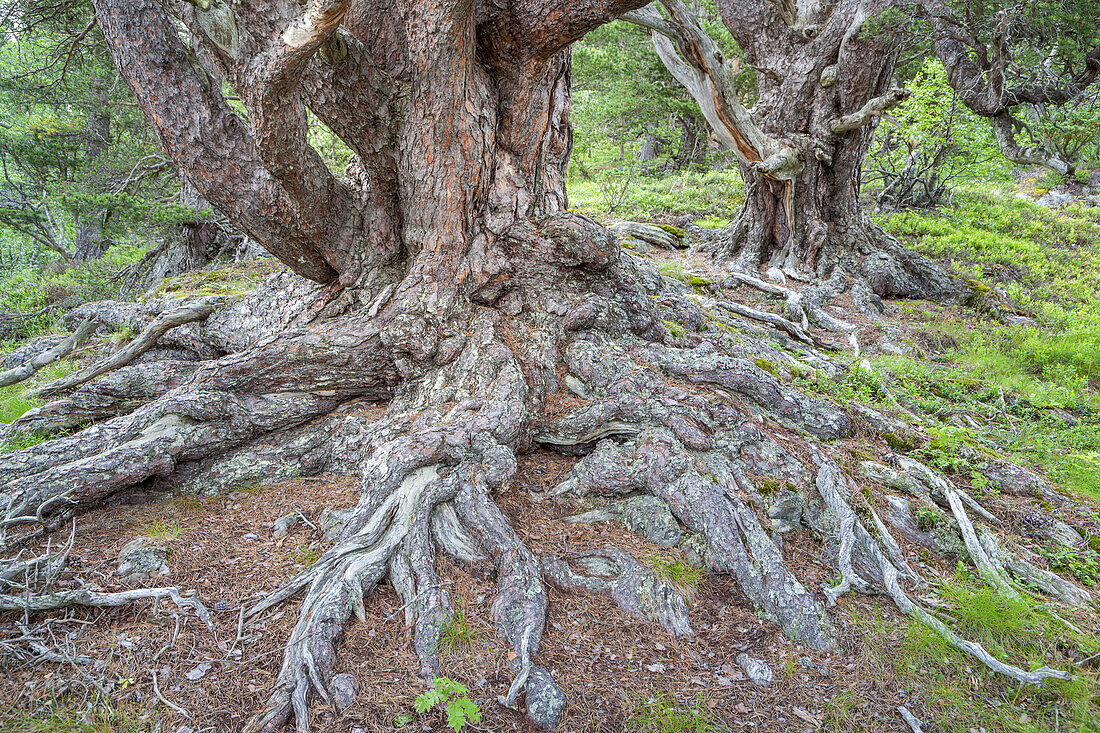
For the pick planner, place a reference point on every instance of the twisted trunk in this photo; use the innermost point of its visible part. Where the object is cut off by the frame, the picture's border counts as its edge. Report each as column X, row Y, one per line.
column 446, row 278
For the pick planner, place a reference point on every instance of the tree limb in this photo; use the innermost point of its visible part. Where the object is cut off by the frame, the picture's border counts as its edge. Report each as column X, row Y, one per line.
column 874, row 108
column 144, row 341
column 63, row 349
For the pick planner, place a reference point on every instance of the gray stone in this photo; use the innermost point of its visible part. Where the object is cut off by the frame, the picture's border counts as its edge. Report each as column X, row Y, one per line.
column 1055, row 199
column 141, row 558
column 889, row 347
column 1068, row 419
column 786, row 511
column 757, row 670
column 332, row 523
column 283, row 525
column 344, row 689
column 776, row 275
column 1012, row 479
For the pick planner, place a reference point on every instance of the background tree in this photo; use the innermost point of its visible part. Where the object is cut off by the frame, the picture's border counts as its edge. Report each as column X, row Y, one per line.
column 825, row 74
column 81, row 165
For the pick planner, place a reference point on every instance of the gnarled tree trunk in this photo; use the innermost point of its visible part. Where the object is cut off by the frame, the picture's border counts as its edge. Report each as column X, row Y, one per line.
column 444, row 276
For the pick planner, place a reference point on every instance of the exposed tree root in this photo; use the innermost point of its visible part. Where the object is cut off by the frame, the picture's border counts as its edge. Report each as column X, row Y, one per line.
column 689, row 438
column 63, row 349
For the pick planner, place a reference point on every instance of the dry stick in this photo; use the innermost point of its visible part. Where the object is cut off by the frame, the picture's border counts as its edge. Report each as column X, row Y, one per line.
column 145, row 340
column 770, row 318
column 988, row 567
column 63, row 349
column 64, row 599
column 156, row 691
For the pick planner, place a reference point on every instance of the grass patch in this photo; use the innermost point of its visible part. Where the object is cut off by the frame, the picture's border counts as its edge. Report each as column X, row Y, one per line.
column 683, row 576
column 658, row 713
column 303, row 556
column 961, row 693
column 161, row 530
column 458, row 635
column 57, row 719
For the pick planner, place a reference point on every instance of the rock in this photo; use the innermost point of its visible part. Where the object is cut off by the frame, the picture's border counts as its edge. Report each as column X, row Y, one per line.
column 786, row 511
column 775, row 275
column 1012, row 479
column 900, row 515
column 332, row 523
column 344, row 689
column 283, row 525
column 1054, row 199
column 889, row 347
column 649, row 233
column 1068, row 419
column 1043, row 527
column 757, row 670
column 1014, row 320
column 141, row 558
column 198, row 672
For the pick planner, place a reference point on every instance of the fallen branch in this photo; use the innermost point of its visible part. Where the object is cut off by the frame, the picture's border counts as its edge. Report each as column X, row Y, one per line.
column 770, row 318
column 165, row 322
column 64, row 599
column 63, row 349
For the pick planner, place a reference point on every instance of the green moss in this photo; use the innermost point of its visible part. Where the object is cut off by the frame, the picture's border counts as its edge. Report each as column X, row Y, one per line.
column 766, row 366
column 674, row 231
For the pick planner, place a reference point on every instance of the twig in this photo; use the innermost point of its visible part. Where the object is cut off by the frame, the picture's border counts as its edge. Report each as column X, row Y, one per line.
column 156, row 691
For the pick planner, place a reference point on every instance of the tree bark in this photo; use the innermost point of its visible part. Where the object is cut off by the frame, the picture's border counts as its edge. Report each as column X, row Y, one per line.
column 445, row 276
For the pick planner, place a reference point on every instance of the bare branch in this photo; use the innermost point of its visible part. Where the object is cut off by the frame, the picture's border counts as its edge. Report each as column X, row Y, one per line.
column 873, row 109
column 63, row 349
column 144, row 341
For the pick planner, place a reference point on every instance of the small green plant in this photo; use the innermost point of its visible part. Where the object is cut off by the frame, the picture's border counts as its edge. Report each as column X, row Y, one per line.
column 189, row 503
column 683, row 576
column 927, row 518
column 303, row 556
column 457, row 634
column 25, row 440
column 1083, row 564
column 660, row 714
column 454, row 698
column 161, row 530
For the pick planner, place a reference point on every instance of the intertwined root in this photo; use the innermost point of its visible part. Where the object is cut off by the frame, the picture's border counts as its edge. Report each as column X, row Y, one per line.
column 686, row 437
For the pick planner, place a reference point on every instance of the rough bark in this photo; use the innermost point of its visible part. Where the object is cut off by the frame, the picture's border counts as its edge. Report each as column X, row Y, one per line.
column 448, row 280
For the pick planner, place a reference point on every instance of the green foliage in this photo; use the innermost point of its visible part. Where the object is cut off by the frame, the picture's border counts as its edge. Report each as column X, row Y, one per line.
column 934, row 138
column 453, row 698
column 56, row 718
column 658, row 713
column 928, row 518
column 303, row 556
column 1072, row 130
column 1083, row 564
column 457, row 634
column 162, row 530
column 14, row 400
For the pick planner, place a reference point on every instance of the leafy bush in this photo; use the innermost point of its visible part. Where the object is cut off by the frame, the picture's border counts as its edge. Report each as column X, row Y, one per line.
column 931, row 138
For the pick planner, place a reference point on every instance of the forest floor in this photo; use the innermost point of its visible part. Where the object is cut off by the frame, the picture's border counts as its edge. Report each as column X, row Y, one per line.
column 951, row 366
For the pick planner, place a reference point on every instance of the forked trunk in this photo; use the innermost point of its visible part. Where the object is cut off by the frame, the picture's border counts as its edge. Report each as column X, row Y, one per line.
column 450, row 281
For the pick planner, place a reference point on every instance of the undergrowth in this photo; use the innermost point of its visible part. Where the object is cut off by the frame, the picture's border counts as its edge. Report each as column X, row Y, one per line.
column 661, row 713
